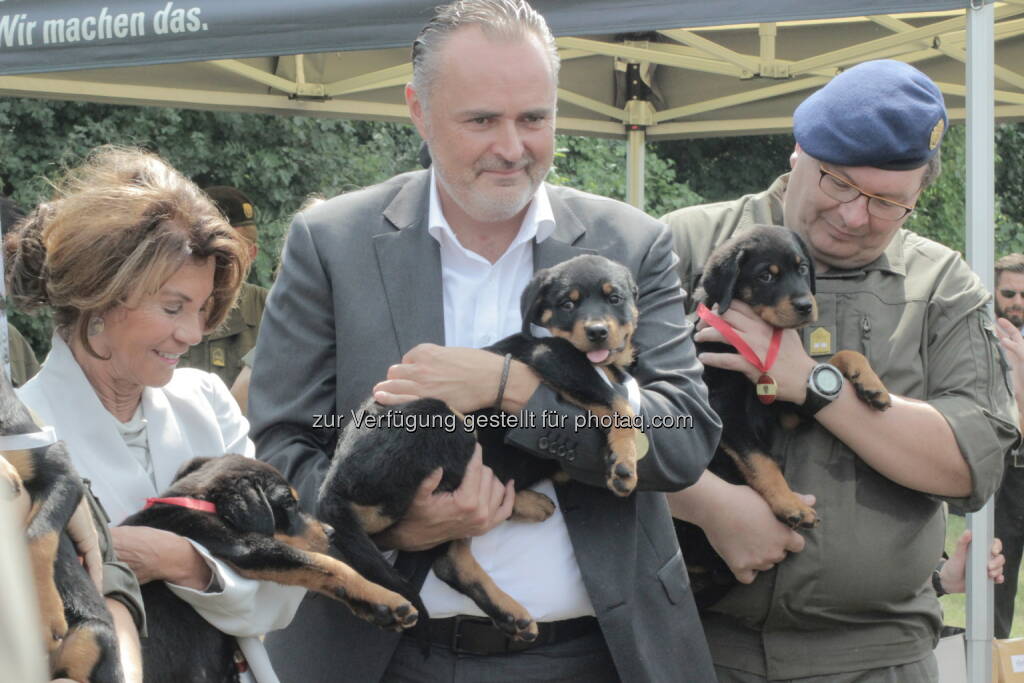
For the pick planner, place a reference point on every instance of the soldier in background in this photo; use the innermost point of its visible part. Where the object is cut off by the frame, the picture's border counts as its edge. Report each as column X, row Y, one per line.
column 221, row 351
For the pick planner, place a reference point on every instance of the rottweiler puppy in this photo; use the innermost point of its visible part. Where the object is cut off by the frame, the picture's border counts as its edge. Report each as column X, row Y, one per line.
column 78, row 630
column 245, row 513
column 589, row 306
column 770, row 269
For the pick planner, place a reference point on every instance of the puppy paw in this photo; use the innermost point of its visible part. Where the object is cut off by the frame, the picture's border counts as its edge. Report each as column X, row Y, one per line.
column 517, row 626
column 388, row 610
column 621, row 478
column 55, row 628
column 794, row 513
column 531, row 506
column 875, row 396
column 866, row 382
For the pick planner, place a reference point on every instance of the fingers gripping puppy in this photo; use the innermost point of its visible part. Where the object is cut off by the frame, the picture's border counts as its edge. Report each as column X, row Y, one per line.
column 244, row 512
column 588, row 305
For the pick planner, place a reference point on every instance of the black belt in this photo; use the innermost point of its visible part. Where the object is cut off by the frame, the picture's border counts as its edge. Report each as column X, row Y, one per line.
column 479, row 636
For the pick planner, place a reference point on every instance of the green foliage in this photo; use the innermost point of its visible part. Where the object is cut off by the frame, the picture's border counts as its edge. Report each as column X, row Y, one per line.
column 277, row 161
column 941, row 210
column 720, row 169
column 280, row 161
column 1010, row 170
column 599, row 166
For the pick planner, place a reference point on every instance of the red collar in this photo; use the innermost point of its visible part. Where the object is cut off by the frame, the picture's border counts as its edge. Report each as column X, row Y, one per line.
column 190, row 503
column 733, row 338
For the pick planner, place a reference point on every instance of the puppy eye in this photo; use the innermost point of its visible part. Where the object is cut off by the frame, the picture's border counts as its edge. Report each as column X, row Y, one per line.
column 766, row 276
column 614, row 299
column 567, row 305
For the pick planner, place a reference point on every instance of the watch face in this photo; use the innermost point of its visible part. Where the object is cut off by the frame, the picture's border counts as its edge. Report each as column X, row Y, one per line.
column 828, row 380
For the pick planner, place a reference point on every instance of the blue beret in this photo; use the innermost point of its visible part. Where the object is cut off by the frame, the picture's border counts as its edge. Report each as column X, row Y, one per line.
column 883, row 113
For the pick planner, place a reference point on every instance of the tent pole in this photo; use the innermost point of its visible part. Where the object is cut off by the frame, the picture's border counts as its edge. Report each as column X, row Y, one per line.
column 635, row 152
column 980, row 241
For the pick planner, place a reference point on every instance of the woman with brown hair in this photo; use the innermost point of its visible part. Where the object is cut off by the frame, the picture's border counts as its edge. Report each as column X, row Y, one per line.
column 137, row 264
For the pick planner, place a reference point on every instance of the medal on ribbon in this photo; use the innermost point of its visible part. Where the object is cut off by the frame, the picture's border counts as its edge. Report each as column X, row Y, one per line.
column 767, row 389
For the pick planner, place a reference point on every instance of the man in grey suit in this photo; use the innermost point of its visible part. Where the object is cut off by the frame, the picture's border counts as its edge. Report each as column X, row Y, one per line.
column 393, row 289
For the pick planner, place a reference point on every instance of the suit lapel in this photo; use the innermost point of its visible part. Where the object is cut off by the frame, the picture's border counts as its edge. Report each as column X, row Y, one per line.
column 410, row 266
column 559, row 246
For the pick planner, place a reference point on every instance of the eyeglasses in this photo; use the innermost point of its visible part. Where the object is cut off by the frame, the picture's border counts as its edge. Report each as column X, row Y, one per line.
column 844, row 192
column 1010, row 293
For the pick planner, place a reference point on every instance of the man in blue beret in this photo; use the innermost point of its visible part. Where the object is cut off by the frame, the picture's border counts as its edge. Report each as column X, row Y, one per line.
column 852, row 599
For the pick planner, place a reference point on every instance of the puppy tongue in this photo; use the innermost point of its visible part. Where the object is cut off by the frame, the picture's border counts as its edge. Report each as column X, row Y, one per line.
column 598, row 356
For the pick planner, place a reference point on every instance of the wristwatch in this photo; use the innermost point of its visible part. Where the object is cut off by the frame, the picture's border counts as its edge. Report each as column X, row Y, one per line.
column 823, row 386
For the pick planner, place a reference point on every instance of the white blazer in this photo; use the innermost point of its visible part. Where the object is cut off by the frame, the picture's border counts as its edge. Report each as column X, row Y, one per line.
column 192, row 415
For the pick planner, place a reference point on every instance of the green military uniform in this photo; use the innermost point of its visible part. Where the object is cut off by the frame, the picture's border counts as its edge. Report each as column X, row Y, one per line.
column 23, row 361
column 859, row 596
column 221, row 351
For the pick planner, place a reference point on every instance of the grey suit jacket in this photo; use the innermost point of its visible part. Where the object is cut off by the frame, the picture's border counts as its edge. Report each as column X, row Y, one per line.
column 360, row 285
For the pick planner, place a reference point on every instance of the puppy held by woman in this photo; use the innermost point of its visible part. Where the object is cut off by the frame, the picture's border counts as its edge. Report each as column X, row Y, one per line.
column 137, row 264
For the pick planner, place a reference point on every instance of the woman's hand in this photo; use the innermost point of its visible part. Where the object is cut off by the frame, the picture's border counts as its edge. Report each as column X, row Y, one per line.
column 158, row 555
column 83, row 533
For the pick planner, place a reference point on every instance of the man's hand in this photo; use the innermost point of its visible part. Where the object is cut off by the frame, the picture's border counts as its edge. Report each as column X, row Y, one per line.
column 790, row 370
column 83, row 534
column 479, row 504
column 747, row 535
column 155, row 554
column 1013, row 343
column 465, row 379
column 954, row 571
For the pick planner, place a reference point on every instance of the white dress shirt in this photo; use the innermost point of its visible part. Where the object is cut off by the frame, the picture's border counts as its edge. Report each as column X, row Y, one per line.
column 534, row 563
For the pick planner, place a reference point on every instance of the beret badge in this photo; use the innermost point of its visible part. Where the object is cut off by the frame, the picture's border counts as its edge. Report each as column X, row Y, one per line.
column 936, row 137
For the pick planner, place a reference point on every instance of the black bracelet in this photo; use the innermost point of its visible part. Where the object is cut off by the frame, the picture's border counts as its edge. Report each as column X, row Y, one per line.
column 504, row 380
column 937, row 581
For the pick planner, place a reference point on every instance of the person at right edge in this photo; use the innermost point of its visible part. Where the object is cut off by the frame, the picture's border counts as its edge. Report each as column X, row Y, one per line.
column 852, row 600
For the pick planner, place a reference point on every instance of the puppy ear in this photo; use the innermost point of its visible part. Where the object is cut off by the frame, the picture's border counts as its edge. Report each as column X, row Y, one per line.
column 532, row 299
column 807, row 255
column 247, row 509
column 719, row 280
column 190, row 467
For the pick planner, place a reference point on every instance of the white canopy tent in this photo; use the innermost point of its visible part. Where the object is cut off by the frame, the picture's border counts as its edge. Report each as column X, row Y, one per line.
column 650, row 69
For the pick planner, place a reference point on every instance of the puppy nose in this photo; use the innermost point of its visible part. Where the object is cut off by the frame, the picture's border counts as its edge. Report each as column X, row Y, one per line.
column 596, row 333
column 803, row 305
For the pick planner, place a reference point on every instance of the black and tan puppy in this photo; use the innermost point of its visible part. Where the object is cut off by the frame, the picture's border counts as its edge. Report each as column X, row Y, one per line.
column 78, row 629
column 768, row 268
column 245, row 513
column 589, row 306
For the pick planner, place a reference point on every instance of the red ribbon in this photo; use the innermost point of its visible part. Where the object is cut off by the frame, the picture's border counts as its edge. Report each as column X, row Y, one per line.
column 733, row 338
column 190, row 503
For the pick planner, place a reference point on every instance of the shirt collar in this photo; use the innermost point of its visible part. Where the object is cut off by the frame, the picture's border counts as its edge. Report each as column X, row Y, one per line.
column 538, row 223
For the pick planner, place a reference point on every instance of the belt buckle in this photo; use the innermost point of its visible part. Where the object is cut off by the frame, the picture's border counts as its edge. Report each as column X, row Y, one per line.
column 470, row 621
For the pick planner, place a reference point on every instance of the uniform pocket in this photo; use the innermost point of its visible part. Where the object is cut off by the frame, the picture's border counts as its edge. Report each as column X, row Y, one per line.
column 674, row 578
